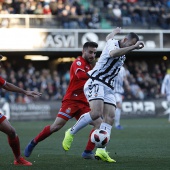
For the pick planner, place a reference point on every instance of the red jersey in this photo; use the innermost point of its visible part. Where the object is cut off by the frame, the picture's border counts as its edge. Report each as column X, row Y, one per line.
column 2, row 82
column 76, row 85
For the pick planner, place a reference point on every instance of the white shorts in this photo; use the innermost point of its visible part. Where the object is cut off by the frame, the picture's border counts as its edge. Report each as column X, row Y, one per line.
column 118, row 97
column 95, row 90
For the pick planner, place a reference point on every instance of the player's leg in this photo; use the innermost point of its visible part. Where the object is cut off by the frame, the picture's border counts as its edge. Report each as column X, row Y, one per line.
column 66, row 112
column 95, row 113
column 88, row 154
column 108, row 120
column 84, row 120
column 118, row 111
column 101, row 153
column 46, row 132
column 168, row 104
column 95, row 95
column 13, row 141
column 117, row 116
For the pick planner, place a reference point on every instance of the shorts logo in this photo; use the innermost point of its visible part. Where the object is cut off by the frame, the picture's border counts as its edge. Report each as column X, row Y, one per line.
column 78, row 63
column 93, row 88
column 1, row 115
column 68, row 110
column 95, row 94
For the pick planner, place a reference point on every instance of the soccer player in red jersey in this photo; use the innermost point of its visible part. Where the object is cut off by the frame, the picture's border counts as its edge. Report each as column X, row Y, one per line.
column 7, row 128
column 74, row 103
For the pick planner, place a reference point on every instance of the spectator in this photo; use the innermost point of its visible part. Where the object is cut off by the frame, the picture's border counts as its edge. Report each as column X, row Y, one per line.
column 94, row 22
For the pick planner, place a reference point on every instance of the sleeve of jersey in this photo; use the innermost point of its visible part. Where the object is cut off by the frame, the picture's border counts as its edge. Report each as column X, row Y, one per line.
column 82, row 75
column 2, row 82
column 111, row 45
column 79, row 71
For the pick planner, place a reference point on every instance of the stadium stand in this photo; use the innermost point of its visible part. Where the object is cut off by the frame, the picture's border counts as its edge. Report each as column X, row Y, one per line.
column 92, row 14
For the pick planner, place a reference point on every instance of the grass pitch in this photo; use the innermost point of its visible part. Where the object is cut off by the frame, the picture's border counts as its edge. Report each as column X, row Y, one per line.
column 143, row 144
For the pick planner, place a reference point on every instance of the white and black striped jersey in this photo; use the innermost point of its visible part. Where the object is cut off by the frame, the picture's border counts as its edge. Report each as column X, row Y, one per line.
column 118, row 83
column 165, row 89
column 107, row 68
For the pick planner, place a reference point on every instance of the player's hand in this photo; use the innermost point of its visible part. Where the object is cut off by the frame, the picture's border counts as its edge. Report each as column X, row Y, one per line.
column 117, row 30
column 139, row 45
column 33, row 94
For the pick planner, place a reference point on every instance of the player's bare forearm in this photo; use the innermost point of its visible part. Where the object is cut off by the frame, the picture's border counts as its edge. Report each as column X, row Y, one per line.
column 13, row 88
column 125, row 50
column 113, row 33
column 121, row 51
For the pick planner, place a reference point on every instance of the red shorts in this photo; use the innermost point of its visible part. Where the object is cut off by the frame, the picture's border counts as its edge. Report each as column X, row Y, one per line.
column 2, row 117
column 70, row 109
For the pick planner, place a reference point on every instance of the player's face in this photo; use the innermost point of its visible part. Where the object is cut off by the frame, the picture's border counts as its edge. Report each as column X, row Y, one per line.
column 129, row 42
column 89, row 54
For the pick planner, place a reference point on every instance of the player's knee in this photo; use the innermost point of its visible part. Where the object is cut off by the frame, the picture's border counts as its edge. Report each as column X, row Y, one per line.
column 97, row 123
column 12, row 133
column 56, row 127
column 95, row 114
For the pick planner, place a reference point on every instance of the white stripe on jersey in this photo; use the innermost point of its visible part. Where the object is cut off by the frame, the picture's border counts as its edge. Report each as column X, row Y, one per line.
column 107, row 68
column 118, row 83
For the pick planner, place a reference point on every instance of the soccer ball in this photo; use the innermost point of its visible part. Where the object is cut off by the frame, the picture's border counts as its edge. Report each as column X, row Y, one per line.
column 100, row 138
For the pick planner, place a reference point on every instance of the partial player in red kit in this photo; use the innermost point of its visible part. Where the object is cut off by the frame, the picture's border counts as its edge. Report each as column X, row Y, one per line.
column 6, row 127
column 74, row 103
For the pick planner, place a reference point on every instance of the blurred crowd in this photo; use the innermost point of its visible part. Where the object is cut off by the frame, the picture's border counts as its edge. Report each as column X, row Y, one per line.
column 145, row 81
column 91, row 13
column 51, row 84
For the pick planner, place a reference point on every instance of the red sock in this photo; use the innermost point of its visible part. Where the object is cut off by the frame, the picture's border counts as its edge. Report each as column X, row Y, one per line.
column 15, row 146
column 43, row 134
column 90, row 145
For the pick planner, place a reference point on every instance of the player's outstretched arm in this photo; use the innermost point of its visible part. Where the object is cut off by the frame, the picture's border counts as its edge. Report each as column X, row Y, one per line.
column 125, row 50
column 113, row 33
column 13, row 88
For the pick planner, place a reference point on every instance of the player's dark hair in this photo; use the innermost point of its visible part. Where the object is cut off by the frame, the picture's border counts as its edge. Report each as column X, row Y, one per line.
column 132, row 35
column 90, row 44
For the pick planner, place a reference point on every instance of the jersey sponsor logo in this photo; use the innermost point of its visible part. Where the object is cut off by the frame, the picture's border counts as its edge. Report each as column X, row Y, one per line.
column 78, row 63
column 1, row 115
column 68, row 110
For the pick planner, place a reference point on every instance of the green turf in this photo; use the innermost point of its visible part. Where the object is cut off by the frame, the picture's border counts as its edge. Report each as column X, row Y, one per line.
column 144, row 144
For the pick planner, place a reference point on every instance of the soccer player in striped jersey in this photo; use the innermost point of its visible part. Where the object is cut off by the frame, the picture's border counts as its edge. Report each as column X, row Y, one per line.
column 119, row 84
column 165, row 91
column 100, row 85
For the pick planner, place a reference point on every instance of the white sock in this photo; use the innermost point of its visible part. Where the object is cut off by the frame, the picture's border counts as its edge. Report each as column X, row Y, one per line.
column 117, row 116
column 106, row 127
column 83, row 121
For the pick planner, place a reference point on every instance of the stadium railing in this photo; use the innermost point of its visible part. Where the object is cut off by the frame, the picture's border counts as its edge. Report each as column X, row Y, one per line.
column 28, row 21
